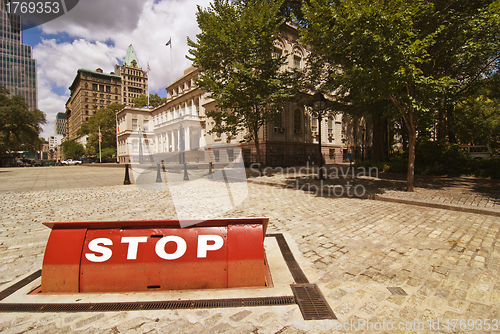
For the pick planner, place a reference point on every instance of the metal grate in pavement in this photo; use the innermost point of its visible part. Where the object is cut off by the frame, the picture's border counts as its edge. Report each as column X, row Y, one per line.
column 311, row 302
column 397, row 291
column 22, row 283
column 298, row 275
column 140, row 306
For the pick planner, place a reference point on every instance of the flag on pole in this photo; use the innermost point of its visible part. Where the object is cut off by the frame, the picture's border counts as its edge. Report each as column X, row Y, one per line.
column 169, row 43
column 100, row 135
column 149, row 68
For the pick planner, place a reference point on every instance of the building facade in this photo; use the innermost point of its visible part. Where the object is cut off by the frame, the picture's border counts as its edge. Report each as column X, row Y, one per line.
column 90, row 91
column 55, row 140
column 94, row 90
column 17, row 68
column 134, row 80
column 160, row 134
column 181, row 125
column 60, row 124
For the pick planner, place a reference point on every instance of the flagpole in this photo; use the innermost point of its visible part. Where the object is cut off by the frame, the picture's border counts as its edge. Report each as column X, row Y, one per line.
column 171, row 71
column 117, row 128
column 148, row 84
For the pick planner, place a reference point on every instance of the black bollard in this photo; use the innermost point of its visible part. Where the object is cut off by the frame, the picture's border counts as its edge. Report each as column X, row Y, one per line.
column 158, row 174
column 210, row 174
column 186, row 176
column 127, row 177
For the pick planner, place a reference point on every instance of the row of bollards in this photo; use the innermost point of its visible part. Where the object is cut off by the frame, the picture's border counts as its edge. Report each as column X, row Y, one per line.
column 161, row 166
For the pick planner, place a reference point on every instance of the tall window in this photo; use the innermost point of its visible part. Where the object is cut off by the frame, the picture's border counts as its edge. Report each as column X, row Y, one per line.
column 279, row 120
column 314, row 124
column 197, row 106
column 277, row 52
column 296, row 62
column 134, row 125
column 330, row 126
column 297, row 121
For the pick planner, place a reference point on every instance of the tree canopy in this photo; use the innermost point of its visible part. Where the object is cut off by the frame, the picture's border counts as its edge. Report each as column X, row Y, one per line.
column 234, row 53
column 105, row 119
column 20, row 127
column 72, row 149
column 154, row 100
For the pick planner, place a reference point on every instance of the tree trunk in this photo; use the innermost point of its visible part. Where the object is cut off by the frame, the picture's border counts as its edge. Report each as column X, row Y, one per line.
column 450, row 111
column 257, row 148
column 408, row 114
column 379, row 147
column 441, row 124
column 410, row 176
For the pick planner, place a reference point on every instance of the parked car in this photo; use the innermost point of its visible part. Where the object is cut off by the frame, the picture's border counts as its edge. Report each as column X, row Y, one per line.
column 71, row 162
column 478, row 152
column 20, row 163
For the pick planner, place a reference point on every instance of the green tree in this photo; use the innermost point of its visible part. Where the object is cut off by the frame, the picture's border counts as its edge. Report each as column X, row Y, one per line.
column 108, row 153
column 234, row 53
column 154, row 100
column 478, row 116
column 105, row 119
column 72, row 149
column 20, row 127
column 391, row 50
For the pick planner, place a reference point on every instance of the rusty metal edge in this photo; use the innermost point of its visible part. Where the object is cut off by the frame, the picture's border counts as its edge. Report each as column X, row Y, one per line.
column 140, row 306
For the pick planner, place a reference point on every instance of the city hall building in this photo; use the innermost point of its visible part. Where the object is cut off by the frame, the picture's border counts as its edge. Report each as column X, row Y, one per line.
column 181, row 125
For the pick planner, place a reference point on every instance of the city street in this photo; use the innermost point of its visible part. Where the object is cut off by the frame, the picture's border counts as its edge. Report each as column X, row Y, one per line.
column 446, row 260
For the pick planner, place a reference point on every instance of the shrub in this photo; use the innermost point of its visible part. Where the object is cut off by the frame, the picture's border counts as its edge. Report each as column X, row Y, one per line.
column 439, row 158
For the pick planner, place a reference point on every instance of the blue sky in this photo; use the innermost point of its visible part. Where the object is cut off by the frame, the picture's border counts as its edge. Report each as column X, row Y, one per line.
column 96, row 34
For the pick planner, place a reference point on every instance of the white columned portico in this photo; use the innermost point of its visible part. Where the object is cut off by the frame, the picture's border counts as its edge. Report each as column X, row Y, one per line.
column 165, row 145
column 187, row 136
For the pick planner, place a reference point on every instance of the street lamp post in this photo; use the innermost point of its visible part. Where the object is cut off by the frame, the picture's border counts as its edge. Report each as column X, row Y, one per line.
column 141, row 158
column 319, row 103
column 182, row 153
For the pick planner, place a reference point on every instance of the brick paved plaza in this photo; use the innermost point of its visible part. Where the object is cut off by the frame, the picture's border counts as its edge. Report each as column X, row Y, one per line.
column 447, row 261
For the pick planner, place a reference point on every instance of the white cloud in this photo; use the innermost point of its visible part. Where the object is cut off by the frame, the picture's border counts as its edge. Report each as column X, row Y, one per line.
column 100, row 33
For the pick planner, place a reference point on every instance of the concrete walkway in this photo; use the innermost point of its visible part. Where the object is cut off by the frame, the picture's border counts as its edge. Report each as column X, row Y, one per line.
column 447, row 261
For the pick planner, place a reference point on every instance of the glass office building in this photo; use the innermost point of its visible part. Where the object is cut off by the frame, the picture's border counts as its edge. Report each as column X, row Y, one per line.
column 17, row 67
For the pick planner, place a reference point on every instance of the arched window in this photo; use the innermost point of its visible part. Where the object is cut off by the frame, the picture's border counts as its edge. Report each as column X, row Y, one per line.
column 297, row 58
column 297, row 121
column 197, row 106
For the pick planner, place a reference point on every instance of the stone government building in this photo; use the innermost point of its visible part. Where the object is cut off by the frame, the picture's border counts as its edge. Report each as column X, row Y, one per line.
column 94, row 90
column 180, row 124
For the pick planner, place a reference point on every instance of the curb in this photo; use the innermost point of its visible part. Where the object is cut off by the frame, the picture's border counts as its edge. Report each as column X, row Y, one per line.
column 395, row 200
column 438, row 206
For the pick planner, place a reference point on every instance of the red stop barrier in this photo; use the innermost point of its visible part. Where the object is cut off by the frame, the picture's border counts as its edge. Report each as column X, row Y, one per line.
column 154, row 255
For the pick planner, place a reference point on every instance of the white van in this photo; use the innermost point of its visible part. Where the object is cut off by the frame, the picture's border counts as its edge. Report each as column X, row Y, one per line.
column 478, row 152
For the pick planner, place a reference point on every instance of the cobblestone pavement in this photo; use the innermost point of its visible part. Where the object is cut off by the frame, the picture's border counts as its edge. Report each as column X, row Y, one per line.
column 447, row 261
column 473, row 194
